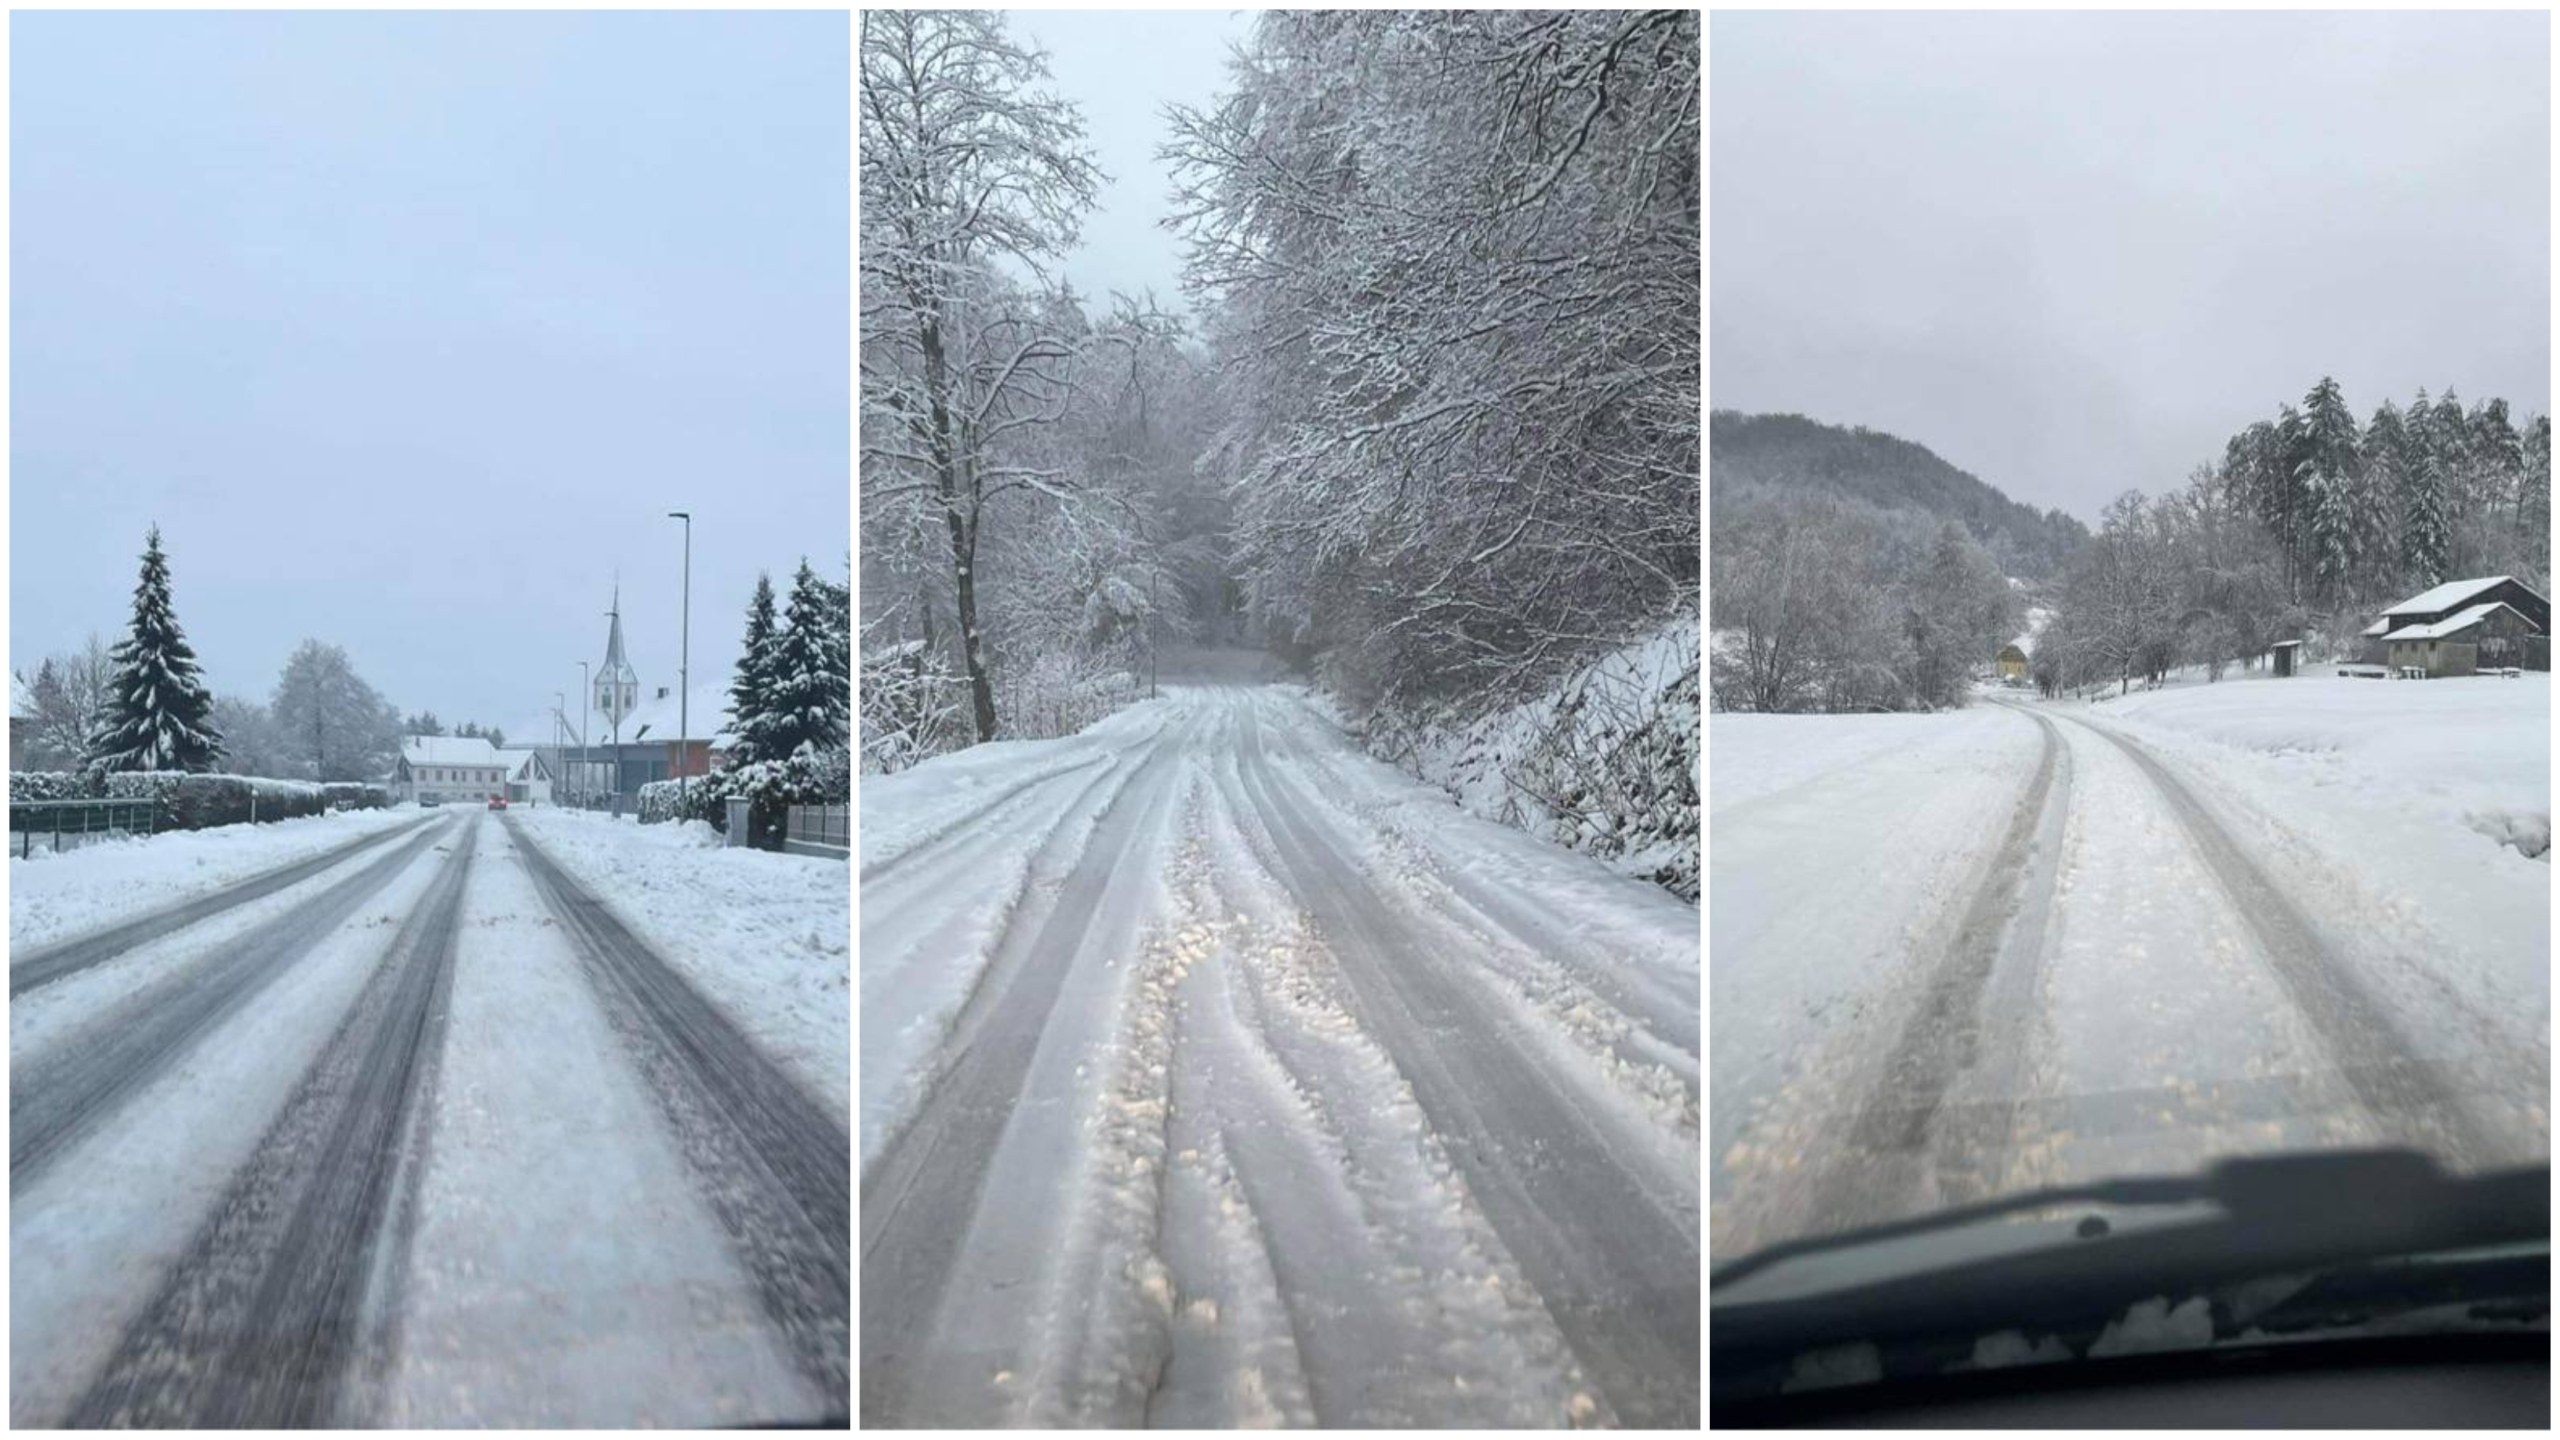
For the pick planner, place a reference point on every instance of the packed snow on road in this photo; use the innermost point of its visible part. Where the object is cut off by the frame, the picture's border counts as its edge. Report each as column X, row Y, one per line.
column 2024, row 942
column 1214, row 1073
column 535, row 1119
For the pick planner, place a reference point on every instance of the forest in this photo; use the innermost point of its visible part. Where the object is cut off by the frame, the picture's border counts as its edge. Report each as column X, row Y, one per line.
column 1429, row 431
column 2304, row 527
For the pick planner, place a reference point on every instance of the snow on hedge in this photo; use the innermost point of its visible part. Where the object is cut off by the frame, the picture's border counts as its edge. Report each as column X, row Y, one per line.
column 767, row 937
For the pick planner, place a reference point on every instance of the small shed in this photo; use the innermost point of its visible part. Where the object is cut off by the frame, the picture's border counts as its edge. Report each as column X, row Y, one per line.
column 2285, row 652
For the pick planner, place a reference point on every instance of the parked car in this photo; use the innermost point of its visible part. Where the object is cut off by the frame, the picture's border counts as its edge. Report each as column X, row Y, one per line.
column 429, row 797
column 497, row 802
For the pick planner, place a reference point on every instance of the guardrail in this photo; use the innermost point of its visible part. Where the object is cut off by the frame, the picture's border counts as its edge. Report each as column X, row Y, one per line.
column 79, row 820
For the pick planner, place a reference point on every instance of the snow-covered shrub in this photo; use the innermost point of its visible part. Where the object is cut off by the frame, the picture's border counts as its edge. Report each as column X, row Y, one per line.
column 49, row 785
column 355, row 795
column 821, row 777
column 1605, row 761
column 187, row 800
column 658, row 799
column 1059, row 694
column 913, row 706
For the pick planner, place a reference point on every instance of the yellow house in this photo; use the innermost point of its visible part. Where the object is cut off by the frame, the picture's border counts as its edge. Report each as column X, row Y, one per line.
column 2013, row 659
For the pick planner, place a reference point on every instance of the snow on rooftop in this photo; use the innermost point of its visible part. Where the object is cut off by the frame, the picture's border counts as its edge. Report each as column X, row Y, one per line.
column 2446, row 595
column 709, row 720
column 448, row 750
column 2453, row 624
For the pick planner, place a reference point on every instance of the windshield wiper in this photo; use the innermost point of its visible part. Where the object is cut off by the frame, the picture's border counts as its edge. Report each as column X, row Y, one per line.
column 2400, row 1198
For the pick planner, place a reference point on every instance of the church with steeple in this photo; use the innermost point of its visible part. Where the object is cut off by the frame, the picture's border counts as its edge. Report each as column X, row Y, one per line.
column 631, row 734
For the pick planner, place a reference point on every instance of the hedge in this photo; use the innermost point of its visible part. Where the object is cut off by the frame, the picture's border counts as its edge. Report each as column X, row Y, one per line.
column 188, row 801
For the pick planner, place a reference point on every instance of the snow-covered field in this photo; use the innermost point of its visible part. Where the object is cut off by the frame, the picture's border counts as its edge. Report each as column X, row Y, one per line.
column 54, row 896
column 1962, row 953
column 767, row 937
column 2422, row 798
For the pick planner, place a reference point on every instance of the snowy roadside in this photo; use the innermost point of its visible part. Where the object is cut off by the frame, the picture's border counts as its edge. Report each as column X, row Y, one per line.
column 767, row 937
column 1606, row 762
column 2408, row 810
column 95, row 885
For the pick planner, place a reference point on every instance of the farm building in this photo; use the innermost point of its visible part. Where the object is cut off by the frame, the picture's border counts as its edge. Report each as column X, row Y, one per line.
column 2479, row 637
column 2012, row 661
column 2428, row 620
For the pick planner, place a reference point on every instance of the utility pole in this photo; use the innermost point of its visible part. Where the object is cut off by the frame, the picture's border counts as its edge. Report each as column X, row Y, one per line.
column 586, row 695
column 684, row 660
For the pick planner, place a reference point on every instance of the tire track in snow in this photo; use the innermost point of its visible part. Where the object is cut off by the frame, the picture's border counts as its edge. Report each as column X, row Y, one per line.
column 771, row 1161
column 961, row 826
column 1620, row 1275
column 1964, row 1021
column 57, row 1097
column 1395, row 1302
column 262, row 1322
column 951, row 1263
column 2367, row 1051
column 69, row 957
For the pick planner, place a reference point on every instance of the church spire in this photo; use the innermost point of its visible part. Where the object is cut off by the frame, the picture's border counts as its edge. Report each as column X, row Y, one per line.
column 617, row 687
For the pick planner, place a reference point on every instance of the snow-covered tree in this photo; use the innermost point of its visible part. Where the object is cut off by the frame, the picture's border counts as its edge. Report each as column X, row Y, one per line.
column 158, row 714
column 70, row 692
column 806, row 706
column 753, row 685
column 251, row 743
column 966, row 162
column 329, row 723
column 2426, row 530
column 1450, row 261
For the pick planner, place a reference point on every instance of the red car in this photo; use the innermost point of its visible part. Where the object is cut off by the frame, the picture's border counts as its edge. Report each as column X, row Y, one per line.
column 497, row 802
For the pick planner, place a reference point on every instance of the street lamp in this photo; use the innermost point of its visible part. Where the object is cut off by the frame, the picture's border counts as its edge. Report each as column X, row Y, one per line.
column 559, row 723
column 684, row 659
column 586, row 694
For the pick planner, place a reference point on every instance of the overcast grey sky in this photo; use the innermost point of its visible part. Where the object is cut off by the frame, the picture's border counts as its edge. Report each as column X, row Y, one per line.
column 2072, row 253
column 408, row 329
column 1122, row 67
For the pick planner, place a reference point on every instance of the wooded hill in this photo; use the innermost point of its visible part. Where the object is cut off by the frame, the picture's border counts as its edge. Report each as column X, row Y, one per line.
column 1790, row 456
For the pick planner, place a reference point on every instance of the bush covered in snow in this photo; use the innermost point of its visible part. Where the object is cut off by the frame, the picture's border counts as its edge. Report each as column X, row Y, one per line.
column 822, row 777
column 48, row 785
column 1606, row 761
column 355, row 795
column 913, row 706
column 187, row 800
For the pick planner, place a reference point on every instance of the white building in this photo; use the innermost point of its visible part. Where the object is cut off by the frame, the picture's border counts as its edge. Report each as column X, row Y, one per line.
column 448, row 769
column 528, row 776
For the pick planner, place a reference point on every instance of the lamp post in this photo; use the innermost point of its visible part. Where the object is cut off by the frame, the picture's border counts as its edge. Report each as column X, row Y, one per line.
column 586, row 693
column 560, row 720
column 684, row 659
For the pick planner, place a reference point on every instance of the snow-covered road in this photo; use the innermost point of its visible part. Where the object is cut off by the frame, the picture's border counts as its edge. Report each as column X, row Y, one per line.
column 2115, row 964
column 1216, row 1074
column 418, row 1132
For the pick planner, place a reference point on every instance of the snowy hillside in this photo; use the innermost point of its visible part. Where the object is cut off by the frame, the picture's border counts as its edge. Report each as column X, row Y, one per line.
column 1605, row 763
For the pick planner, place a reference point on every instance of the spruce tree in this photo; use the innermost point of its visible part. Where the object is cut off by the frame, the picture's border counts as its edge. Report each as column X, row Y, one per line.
column 158, row 715
column 751, row 688
column 808, row 696
column 2325, row 474
column 2386, row 475
column 2425, row 528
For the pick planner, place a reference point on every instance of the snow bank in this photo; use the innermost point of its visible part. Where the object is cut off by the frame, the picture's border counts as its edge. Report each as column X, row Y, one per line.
column 767, row 937
column 1605, row 763
column 97, row 884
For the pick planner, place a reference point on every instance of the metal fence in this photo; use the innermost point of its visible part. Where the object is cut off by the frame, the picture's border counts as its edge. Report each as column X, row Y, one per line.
column 818, row 829
column 63, row 823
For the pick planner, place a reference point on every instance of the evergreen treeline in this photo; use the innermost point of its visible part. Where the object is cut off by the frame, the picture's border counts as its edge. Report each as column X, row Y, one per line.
column 1780, row 456
column 2306, row 528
